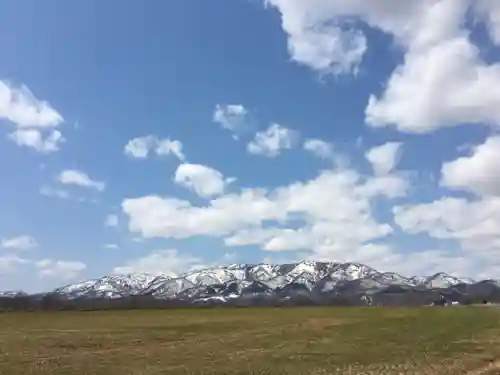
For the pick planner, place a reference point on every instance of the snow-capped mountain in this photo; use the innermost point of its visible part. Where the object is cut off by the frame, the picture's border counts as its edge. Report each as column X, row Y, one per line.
column 442, row 280
column 243, row 281
column 238, row 280
column 113, row 286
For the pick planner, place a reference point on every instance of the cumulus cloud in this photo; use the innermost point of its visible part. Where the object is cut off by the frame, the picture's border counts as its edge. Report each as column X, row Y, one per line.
column 204, row 181
column 317, row 38
column 35, row 139
column 111, row 246
column 167, row 262
column 442, row 81
column 319, row 148
column 170, row 147
column 332, row 217
column 384, row 158
column 428, row 262
column 60, row 269
column 479, row 172
column 155, row 216
column 34, row 119
column 474, row 224
column 23, row 242
column 79, row 178
column 445, row 85
column 327, row 218
column 273, row 140
column 20, row 106
column 232, row 117
column 141, row 147
column 334, row 210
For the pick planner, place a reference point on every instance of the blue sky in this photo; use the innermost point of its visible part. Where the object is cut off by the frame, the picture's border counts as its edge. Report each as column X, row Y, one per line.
column 277, row 131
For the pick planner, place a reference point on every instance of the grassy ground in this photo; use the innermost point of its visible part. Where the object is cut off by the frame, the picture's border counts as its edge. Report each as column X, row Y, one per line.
column 252, row 341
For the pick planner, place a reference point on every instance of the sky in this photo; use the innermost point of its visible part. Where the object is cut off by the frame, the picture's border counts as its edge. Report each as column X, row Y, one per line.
column 172, row 135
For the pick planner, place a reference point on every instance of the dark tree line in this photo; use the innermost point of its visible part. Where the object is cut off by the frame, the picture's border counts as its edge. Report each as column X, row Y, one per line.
column 60, row 303
column 55, row 302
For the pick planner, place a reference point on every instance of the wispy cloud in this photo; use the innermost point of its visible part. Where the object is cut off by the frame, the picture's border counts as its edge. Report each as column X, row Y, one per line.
column 22, row 242
column 79, row 178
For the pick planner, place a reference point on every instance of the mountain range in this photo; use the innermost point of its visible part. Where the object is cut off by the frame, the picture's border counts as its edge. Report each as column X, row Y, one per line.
column 224, row 284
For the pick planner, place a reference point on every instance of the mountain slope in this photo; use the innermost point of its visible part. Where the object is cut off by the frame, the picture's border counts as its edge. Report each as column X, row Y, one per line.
column 306, row 279
column 224, row 283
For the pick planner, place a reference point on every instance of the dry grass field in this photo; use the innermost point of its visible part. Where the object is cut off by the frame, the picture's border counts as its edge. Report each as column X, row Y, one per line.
column 253, row 341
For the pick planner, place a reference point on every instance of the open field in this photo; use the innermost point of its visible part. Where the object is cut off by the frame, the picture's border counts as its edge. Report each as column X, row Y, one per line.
column 253, row 341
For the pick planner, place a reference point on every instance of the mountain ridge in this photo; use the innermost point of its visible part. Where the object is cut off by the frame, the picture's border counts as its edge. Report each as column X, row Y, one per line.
column 264, row 280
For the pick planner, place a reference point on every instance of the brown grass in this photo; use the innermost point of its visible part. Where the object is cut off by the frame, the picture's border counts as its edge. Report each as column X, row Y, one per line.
column 252, row 341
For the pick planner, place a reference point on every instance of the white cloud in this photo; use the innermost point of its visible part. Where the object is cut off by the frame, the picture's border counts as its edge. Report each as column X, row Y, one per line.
column 34, row 138
column 204, row 181
column 23, row 242
column 428, row 262
column 442, row 86
column 384, row 158
column 111, row 246
column 168, row 146
column 384, row 258
column 474, row 224
column 168, row 262
column 442, row 82
column 111, row 221
column 316, row 39
column 20, row 106
column 479, row 172
column 60, row 269
column 79, row 178
column 154, row 216
column 333, row 212
column 9, row 262
column 390, row 186
column 331, row 217
column 232, row 117
column 272, row 141
column 141, row 147
column 319, row 148
column 52, row 192
column 34, row 119
column 275, row 239
column 336, row 209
